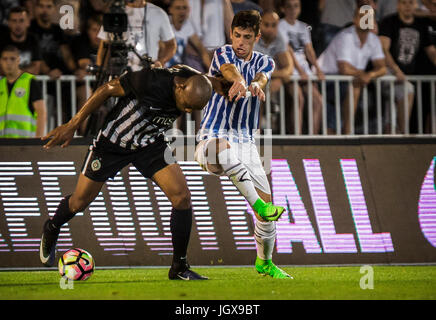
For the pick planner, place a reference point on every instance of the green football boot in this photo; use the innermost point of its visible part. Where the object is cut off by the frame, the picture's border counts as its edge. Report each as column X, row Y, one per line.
column 268, row 211
column 268, row 268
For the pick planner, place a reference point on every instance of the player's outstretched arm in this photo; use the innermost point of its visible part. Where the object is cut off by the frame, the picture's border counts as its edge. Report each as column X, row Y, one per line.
column 231, row 74
column 65, row 133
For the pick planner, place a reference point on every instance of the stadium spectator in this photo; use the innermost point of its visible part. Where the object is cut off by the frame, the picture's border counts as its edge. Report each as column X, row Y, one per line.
column 149, row 32
column 85, row 46
column 26, row 42
column 214, row 19
column 185, row 34
column 403, row 37
column 22, row 110
column 335, row 15
column 425, row 66
column 297, row 35
column 91, row 8
column 349, row 54
column 57, row 58
column 272, row 44
column 240, row 5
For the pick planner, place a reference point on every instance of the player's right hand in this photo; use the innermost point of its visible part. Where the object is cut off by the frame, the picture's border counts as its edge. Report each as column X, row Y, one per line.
column 60, row 135
column 237, row 90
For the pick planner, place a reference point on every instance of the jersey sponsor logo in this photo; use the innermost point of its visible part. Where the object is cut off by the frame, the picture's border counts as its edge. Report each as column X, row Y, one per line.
column 160, row 120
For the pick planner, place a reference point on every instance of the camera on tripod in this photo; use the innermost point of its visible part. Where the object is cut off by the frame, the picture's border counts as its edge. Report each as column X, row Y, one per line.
column 115, row 58
column 115, row 23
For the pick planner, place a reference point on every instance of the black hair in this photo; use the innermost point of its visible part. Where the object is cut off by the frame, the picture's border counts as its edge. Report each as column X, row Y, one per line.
column 53, row 1
column 18, row 9
column 247, row 19
column 10, row 48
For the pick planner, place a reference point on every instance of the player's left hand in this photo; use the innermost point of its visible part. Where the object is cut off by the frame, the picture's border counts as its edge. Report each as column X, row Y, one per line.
column 60, row 135
column 237, row 91
column 256, row 91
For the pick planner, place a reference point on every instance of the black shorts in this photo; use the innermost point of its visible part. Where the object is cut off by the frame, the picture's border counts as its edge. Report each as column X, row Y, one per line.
column 105, row 159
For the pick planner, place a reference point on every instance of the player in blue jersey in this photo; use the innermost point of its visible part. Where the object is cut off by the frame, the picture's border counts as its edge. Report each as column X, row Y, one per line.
column 226, row 137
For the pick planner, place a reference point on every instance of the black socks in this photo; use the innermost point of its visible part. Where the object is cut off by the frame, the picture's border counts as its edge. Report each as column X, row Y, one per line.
column 180, row 225
column 62, row 215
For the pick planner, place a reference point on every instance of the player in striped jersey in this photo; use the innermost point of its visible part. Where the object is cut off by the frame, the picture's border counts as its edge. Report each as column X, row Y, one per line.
column 150, row 100
column 226, row 145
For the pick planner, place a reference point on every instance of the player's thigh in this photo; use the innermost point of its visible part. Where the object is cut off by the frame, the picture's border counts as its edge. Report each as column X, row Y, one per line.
column 206, row 154
column 85, row 192
column 172, row 182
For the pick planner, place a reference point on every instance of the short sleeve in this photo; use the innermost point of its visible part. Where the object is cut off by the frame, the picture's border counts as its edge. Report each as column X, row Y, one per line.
column 35, row 93
column 166, row 31
column 386, row 28
column 221, row 56
column 281, row 44
column 266, row 65
column 307, row 37
column 425, row 33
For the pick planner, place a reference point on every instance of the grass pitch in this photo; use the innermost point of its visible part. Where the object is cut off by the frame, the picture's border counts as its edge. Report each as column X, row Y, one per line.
column 239, row 283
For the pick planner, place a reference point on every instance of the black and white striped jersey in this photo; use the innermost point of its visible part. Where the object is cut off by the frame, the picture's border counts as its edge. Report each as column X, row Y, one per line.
column 147, row 110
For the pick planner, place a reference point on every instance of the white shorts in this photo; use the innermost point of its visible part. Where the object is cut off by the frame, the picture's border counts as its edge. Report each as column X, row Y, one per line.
column 246, row 153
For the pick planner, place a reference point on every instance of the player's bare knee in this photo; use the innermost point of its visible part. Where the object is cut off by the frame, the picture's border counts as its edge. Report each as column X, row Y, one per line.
column 181, row 200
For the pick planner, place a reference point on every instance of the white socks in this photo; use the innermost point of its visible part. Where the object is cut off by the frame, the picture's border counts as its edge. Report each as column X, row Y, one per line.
column 265, row 236
column 264, row 232
column 236, row 171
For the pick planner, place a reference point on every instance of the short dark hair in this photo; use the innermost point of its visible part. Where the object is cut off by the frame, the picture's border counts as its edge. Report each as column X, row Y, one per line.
column 95, row 18
column 18, row 9
column 247, row 19
column 10, row 48
column 53, row 1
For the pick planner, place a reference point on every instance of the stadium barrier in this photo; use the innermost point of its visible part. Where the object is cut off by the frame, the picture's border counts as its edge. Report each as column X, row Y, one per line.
column 377, row 107
column 349, row 201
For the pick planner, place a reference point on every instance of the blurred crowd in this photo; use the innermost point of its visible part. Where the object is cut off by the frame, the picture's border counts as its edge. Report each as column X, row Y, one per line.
column 365, row 39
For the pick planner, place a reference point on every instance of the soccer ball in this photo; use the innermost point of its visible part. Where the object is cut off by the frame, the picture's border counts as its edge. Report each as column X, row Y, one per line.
column 76, row 264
